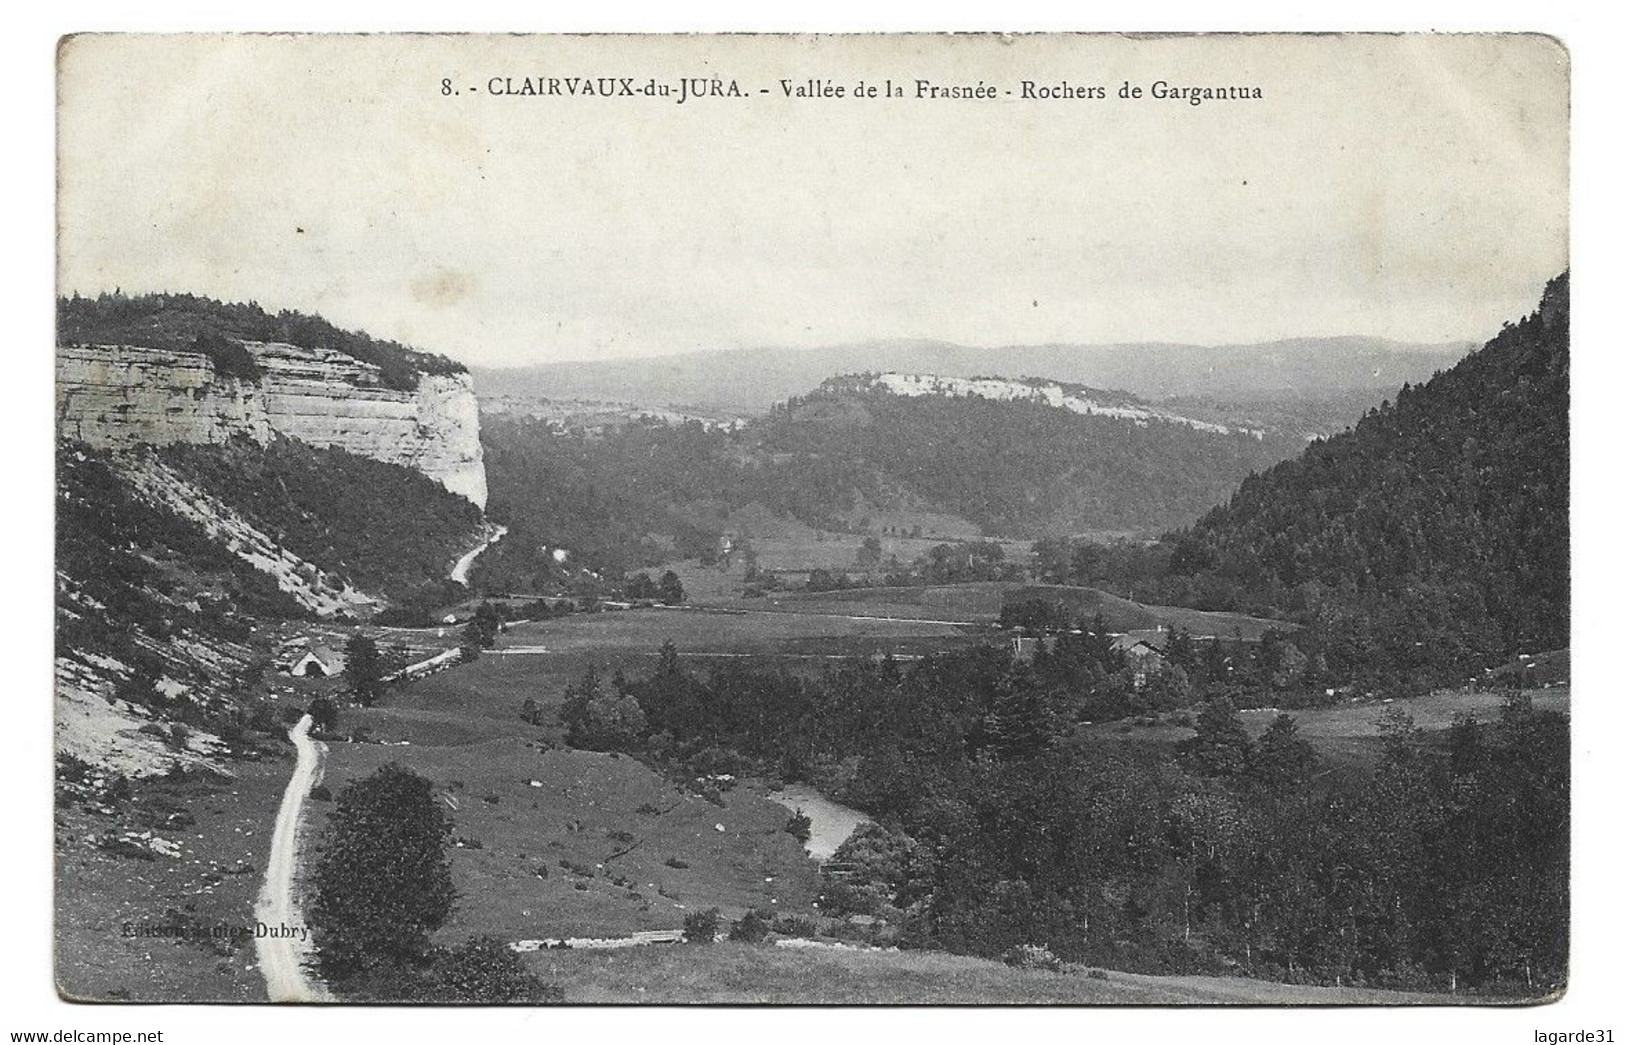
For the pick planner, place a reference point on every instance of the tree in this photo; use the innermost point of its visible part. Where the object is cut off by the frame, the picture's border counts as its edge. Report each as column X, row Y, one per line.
column 1168, row 688
column 1221, row 747
column 482, row 970
column 671, row 588
column 752, row 927
column 471, row 642
column 869, row 553
column 363, row 669
column 800, row 826
column 324, row 714
column 1284, row 759
column 701, row 926
column 530, row 712
column 382, row 879
column 598, row 721
column 486, row 624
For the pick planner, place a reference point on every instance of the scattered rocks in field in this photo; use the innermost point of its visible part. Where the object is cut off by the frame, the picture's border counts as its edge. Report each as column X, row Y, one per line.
column 142, row 845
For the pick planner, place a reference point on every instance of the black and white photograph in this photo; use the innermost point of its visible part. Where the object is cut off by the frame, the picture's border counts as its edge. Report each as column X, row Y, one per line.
column 812, row 520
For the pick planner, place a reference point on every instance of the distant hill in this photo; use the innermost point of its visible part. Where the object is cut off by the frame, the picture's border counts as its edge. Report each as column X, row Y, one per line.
column 751, row 380
column 1021, row 466
column 1076, row 398
column 635, row 493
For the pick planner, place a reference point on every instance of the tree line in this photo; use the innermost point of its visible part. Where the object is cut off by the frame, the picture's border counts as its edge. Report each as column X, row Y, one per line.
column 1437, row 862
column 177, row 322
column 1429, row 542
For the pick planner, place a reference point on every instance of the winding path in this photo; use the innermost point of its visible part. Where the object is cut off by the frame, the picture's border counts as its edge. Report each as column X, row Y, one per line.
column 459, row 572
column 282, row 958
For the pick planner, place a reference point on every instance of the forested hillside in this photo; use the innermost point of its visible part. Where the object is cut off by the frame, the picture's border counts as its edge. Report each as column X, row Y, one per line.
column 1432, row 538
column 134, row 577
column 187, row 321
column 1021, row 468
column 631, row 495
column 383, row 528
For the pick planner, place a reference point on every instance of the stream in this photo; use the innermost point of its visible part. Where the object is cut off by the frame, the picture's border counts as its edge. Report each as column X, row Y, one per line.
column 832, row 823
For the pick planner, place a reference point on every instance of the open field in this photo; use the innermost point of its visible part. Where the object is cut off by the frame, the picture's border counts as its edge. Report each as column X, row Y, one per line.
column 555, row 842
column 695, row 628
column 981, row 602
column 1346, row 733
column 731, row 973
column 223, row 830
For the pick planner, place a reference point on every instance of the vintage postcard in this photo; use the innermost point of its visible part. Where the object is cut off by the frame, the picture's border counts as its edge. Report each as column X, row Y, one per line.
column 813, row 520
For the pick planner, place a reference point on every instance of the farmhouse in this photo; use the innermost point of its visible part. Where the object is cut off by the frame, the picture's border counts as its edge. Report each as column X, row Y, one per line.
column 1144, row 652
column 317, row 662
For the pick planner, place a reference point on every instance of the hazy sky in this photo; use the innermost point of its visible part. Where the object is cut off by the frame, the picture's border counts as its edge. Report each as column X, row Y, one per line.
column 1408, row 187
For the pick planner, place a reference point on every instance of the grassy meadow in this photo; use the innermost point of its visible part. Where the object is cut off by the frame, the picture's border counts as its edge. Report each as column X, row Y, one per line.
column 733, row 973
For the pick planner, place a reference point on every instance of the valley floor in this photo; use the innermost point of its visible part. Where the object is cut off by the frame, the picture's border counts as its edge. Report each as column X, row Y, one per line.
column 553, row 842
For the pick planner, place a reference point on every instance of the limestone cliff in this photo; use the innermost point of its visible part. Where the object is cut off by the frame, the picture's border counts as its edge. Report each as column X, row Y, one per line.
column 121, row 395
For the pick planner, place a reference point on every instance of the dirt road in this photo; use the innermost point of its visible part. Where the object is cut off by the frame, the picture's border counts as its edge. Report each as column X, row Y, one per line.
column 282, row 941
column 459, row 572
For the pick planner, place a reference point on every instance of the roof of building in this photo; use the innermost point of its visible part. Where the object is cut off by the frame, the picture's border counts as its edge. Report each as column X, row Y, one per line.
column 330, row 660
column 1153, row 639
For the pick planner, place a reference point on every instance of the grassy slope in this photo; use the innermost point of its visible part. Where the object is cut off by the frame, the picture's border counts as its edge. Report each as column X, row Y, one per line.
column 1346, row 734
column 465, row 735
column 983, row 601
column 764, row 974
column 96, row 893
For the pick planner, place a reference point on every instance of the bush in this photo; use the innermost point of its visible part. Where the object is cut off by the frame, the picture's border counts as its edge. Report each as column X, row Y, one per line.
column 483, row 970
column 800, row 826
column 679, row 864
column 1031, row 956
column 795, row 925
column 701, row 927
column 230, row 358
column 751, row 928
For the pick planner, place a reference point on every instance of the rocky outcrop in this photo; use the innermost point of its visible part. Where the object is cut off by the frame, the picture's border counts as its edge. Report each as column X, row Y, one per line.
column 118, row 396
column 1063, row 396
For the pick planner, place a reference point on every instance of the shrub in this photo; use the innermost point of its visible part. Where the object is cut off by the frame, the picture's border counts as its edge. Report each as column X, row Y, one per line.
column 482, row 969
column 320, row 793
column 324, row 714
column 681, row 865
column 230, row 358
column 800, row 826
column 701, row 927
column 1031, row 956
column 119, row 788
column 751, row 928
column 795, row 925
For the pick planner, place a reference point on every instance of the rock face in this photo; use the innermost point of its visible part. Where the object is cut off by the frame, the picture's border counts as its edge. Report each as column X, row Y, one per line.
column 121, row 395
column 1076, row 398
